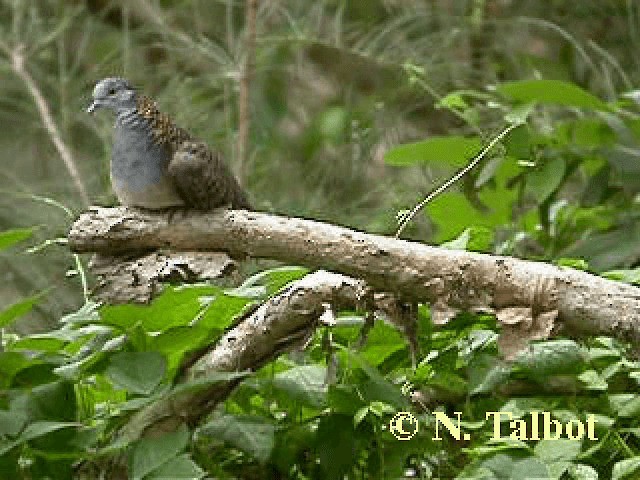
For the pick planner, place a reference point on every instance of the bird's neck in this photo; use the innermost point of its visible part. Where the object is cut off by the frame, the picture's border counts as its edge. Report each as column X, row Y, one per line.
column 130, row 118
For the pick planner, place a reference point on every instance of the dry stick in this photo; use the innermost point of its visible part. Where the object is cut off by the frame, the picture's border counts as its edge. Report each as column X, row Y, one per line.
column 409, row 216
column 245, row 85
column 17, row 63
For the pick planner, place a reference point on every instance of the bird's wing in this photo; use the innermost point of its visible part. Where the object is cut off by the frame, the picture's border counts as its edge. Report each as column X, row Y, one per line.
column 201, row 177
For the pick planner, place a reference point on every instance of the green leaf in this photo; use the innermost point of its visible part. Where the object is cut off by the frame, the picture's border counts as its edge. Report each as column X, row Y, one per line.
column 137, row 372
column 13, row 362
column 560, row 450
column 626, row 405
column 576, row 263
column 473, row 239
column 486, row 373
column 180, row 467
column 175, row 342
column 36, row 430
column 544, row 180
column 452, row 212
column 511, row 466
column 628, row 468
column 220, row 313
column 383, row 340
column 520, row 113
column 269, row 281
column 306, row 383
column 41, row 343
column 251, row 434
column 550, row 92
column 335, row 443
column 150, row 453
column 629, row 276
column 577, row 471
column 11, row 237
column 19, row 308
column 450, row 150
column 175, row 307
column 551, row 357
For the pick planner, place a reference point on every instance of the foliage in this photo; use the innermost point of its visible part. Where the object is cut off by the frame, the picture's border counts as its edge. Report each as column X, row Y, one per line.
column 358, row 109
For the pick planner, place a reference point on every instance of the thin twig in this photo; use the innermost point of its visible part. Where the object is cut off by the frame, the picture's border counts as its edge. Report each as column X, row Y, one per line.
column 245, row 85
column 16, row 54
column 409, row 216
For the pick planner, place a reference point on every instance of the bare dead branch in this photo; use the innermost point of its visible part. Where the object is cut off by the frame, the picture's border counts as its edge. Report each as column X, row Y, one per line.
column 246, row 74
column 16, row 55
column 527, row 297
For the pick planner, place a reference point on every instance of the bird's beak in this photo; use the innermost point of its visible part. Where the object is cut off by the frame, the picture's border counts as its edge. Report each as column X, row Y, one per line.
column 91, row 108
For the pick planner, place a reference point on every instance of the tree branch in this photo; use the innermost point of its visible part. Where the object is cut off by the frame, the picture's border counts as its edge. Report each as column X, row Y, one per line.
column 528, row 298
column 16, row 55
column 246, row 72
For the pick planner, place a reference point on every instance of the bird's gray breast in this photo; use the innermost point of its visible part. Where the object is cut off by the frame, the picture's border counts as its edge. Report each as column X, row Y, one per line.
column 139, row 166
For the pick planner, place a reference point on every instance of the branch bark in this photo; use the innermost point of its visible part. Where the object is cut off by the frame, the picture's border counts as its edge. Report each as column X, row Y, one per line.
column 530, row 299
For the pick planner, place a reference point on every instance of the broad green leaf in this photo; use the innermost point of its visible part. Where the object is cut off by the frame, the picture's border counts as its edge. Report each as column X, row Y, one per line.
column 306, row 383
column 545, row 179
column 520, row 113
column 269, row 281
column 13, row 362
column 36, row 430
column 178, row 468
column 511, row 466
column 627, row 469
column 560, row 450
column 575, row 263
column 485, row 373
column 473, row 239
column 625, row 405
column 628, row 276
column 11, row 237
column 577, row 471
column 176, row 306
column 518, row 143
column 585, row 132
column 551, row 92
column 19, row 308
column 137, row 372
column 383, row 340
column 175, row 342
column 42, row 343
column 451, row 150
column 592, row 380
column 221, row 311
column 150, row 453
column 452, row 212
column 552, row 357
column 252, row 434
column 335, row 441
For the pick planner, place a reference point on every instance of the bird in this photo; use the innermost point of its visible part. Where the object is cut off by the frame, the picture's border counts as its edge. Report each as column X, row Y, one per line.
column 157, row 165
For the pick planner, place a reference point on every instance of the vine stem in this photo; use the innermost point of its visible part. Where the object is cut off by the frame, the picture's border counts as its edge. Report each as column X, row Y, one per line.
column 409, row 216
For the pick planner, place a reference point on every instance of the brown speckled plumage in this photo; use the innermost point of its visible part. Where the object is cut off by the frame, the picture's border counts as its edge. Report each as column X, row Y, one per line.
column 200, row 175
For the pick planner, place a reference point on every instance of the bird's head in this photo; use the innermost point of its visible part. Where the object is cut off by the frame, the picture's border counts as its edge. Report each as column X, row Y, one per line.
column 113, row 92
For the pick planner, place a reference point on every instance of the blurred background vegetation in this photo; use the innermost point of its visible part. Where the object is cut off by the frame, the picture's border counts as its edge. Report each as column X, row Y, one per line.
column 336, row 84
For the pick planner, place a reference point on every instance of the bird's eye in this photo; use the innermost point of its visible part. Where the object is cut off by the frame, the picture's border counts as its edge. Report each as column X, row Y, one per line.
column 112, row 91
